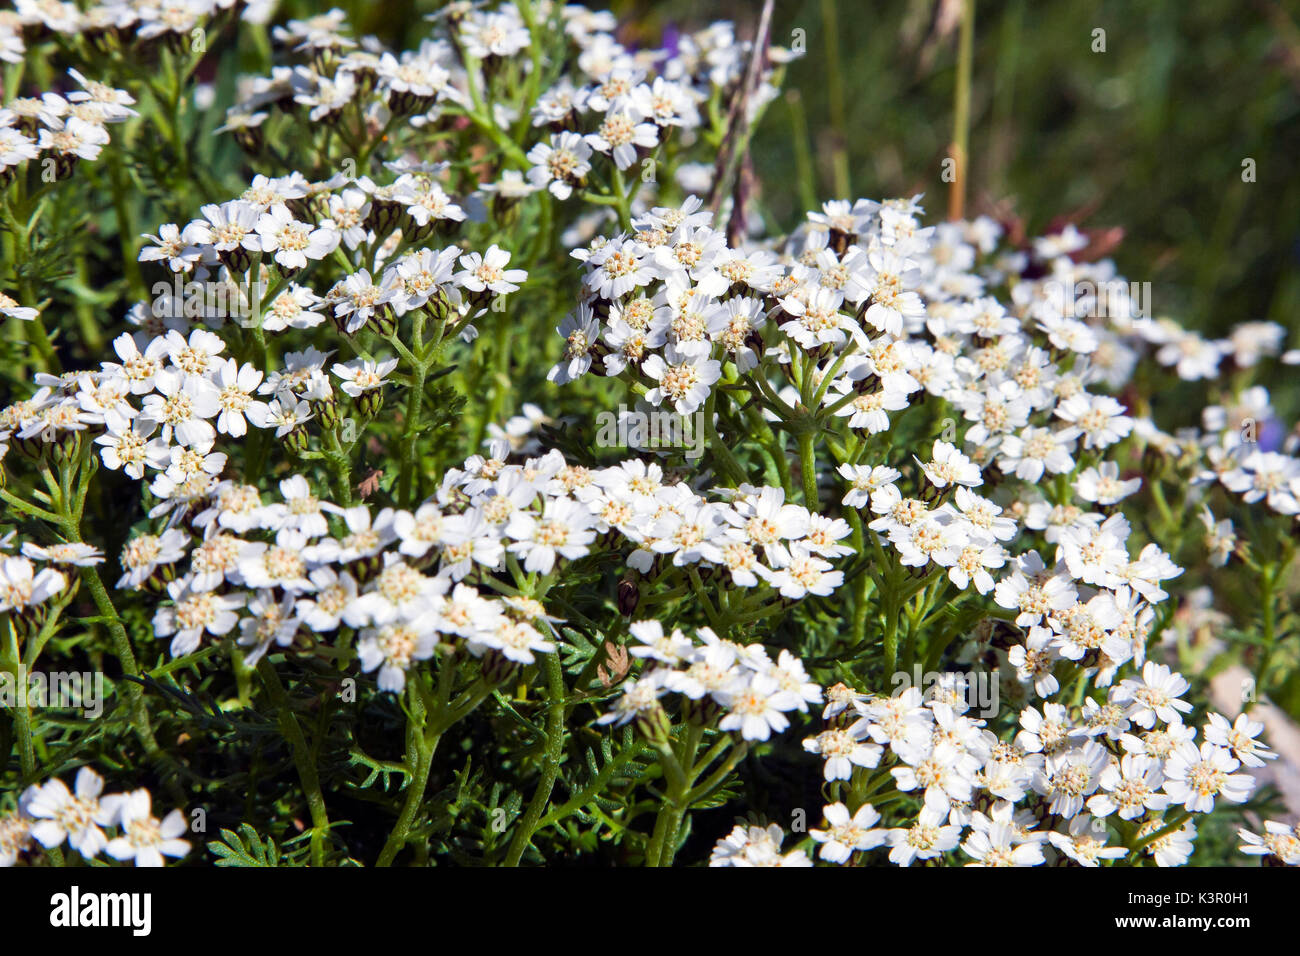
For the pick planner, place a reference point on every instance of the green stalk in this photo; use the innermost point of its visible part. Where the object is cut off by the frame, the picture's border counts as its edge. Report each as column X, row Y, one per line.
column 961, row 111
column 414, row 403
column 22, row 716
column 808, row 465
column 1176, row 823
column 623, row 202
column 835, row 97
column 303, row 760
column 550, row 761
column 69, row 515
column 423, row 741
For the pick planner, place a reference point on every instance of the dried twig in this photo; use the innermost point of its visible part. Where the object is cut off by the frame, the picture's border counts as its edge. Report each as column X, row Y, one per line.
column 736, row 142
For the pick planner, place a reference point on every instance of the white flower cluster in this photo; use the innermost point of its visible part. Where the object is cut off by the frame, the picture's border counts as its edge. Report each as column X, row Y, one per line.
column 752, row 692
column 371, row 231
column 139, row 27
column 158, row 409
column 274, row 569
column 64, row 129
column 659, row 303
column 1049, row 787
column 50, row 814
column 751, row 846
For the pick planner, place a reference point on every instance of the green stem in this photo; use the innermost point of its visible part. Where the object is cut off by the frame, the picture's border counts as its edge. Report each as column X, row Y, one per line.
column 69, row 514
column 808, row 465
column 303, row 760
column 550, row 761
column 414, row 403
column 835, row 96
column 593, row 789
column 22, row 716
column 961, row 111
column 1176, row 823
column 620, row 194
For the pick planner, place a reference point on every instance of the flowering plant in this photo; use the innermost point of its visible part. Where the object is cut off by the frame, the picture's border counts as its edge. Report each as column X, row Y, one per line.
column 474, row 477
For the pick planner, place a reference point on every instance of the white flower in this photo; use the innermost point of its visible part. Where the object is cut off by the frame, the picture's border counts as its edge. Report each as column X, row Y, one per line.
column 489, row 272
column 1156, row 695
column 1131, row 787
column 229, row 226
column 1085, row 843
column 639, row 697
column 144, row 553
column 194, row 613
column 294, row 242
column 620, row 133
column 236, row 385
column 72, row 816
column 949, row 466
column 864, row 481
column 393, row 648
column 1067, row 778
column 1194, row 778
column 1172, row 849
column 182, row 406
column 398, row 591
column 145, row 840
column 1103, row 486
column 999, row 845
column 754, row 847
column 331, row 602
column 284, row 413
column 69, row 553
column 754, row 707
column 886, row 283
column 845, row 835
column 426, row 202
column 563, row 530
column 927, row 838
column 1239, row 737
column 580, row 331
column 361, row 300
column 561, row 164
column 10, row 307
column 617, row 267
column 23, row 588
column 683, row 380
column 1278, row 840
column 844, row 749
column 1035, row 661
column 271, row 620
column 1220, row 541
column 806, row 574
column 1098, row 418
column 816, row 319
column 1033, row 451
column 515, row 640
column 73, row 137
column 363, row 375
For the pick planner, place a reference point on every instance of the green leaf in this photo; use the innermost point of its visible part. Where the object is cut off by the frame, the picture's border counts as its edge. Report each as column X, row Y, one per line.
column 249, row 851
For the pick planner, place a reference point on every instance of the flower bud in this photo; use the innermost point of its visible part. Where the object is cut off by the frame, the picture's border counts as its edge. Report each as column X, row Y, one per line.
column 654, row 725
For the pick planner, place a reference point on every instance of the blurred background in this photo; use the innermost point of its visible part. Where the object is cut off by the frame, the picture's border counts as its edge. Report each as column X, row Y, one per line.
column 1149, row 136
